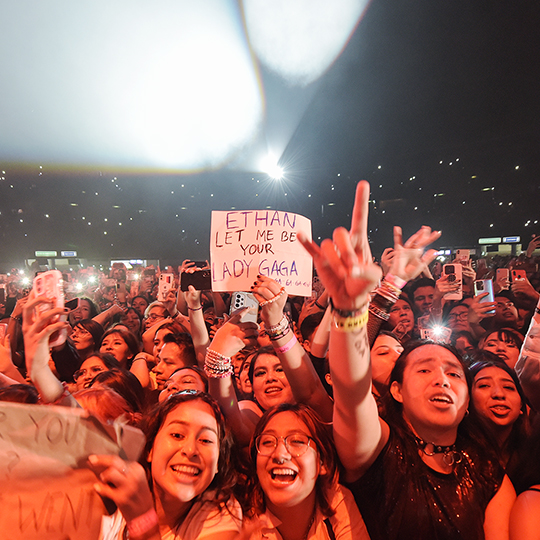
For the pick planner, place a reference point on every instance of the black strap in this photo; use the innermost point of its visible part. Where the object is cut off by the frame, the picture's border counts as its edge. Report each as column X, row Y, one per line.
column 329, row 529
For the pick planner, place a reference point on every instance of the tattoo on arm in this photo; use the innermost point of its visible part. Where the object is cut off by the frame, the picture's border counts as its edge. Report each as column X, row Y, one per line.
column 361, row 345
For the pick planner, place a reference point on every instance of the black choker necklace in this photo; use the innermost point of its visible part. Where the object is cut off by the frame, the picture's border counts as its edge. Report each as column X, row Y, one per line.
column 450, row 455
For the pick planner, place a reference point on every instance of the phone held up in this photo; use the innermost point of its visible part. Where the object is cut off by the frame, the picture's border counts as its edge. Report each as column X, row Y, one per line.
column 166, row 282
column 50, row 285
column 483, row 286
column 454, row 273
column 200, row 279
column 240, row 300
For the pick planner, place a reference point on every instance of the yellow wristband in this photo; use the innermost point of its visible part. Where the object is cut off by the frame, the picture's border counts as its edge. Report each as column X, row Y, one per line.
column 351, row 324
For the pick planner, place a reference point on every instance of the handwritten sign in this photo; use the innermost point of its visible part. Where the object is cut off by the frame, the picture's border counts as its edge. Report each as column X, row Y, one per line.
column 46, row 491
column 245, row 243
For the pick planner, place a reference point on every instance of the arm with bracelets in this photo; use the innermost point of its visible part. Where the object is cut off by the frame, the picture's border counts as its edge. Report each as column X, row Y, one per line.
column 408, row 261
column 306, row 386
column 231, row 338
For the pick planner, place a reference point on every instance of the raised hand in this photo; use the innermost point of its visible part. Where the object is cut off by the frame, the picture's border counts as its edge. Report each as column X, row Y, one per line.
column 234, row 335
column 124, row 482
column 272, row 298
column 409, row 260
column 480, row 310
column 344, row 264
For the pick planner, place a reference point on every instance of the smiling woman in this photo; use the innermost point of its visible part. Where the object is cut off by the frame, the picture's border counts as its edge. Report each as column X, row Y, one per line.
column 294, row 480
column 188, row 462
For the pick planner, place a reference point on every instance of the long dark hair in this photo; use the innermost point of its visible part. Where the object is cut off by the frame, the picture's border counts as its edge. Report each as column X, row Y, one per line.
column 226, row 478
column 124, row 383
column 320, row 434
column 94, row 328
column 130, row 340
column 521, row 427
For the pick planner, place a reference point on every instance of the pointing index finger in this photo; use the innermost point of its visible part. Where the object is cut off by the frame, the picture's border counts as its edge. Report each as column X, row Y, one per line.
column 359, row 221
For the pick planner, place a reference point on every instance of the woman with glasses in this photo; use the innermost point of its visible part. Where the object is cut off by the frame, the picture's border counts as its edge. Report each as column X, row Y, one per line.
column 294, row 491
column 92, row 366
column 86, row 337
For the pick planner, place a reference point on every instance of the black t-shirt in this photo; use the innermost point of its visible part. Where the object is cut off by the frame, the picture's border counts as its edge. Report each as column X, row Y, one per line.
column 401, row 498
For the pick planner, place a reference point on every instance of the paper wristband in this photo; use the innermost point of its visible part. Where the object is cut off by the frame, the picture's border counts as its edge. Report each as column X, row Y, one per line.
column 288, row 346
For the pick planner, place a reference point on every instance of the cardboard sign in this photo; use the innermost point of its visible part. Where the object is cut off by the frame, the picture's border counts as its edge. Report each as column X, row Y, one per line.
column 46, row 489
column 244, row 243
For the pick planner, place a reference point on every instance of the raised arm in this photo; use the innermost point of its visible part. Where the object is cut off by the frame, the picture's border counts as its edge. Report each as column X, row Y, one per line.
column 345, row 267
column 403, row 263
column 232, row 337
column 37, row 329
column 199, row 332
column 305, row 384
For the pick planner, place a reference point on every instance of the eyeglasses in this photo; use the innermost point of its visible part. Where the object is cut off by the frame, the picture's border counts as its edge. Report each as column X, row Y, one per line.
column 458, row 316
column 296, row 444
column 155, row 316
column 94, row 370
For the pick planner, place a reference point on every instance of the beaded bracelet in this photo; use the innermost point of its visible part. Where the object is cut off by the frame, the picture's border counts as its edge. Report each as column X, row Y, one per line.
column 288, row 346
column 273, row 299
column 194, row 309
column 389, row 291
column 351, row 324
column 216, row 365
column 142, row 524
column 279, row 330
column 378, row 312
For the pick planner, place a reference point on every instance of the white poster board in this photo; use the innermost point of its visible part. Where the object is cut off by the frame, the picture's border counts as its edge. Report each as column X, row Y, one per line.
column 245, row 243
column 46, row 487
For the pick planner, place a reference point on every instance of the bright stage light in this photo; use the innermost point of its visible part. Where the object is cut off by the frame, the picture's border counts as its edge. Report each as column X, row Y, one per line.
column 270, row 166
column 163, row 84
column 299, row 40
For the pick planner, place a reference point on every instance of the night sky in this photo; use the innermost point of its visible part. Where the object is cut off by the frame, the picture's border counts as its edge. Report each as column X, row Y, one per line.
column 435, row 103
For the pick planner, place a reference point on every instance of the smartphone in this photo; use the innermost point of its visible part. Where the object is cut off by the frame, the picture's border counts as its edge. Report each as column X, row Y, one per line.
column 454, row 273
column 503, row 274
column 3, row 330
column 2, row 294
column 200, row 279
column 436, row 333
column 200, row 264
column 482, row 286
column 166, row 282
column 73, row 304
column 462, row 255
column 50, row 285
column 244, row 299
column 519, row 275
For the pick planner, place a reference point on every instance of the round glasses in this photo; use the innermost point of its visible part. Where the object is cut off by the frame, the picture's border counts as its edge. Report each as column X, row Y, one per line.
column 296, row 444
column 94, row 370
